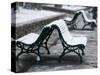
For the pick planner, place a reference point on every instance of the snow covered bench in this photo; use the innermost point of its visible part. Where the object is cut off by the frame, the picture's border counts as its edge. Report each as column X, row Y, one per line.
column 69, row 42
column 32, row 42
column 88, row 22
column 72, row 21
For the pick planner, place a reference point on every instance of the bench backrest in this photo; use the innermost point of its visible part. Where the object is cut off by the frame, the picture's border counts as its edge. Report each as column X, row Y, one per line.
column 44, row 34
column 84, row 15
column 74, row 17
column 64, row 32
column 85, row 18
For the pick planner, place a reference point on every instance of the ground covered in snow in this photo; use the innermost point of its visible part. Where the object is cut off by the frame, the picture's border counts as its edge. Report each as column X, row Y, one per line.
column 27, row 16
column 27, row 63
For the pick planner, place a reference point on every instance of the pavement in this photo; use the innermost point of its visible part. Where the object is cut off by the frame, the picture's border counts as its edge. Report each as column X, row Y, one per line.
column 27, row 62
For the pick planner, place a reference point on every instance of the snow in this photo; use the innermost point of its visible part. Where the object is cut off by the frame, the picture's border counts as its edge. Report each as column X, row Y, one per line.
column 29, row 38
column 68, row 18
column 25, row 16
column 86, row 18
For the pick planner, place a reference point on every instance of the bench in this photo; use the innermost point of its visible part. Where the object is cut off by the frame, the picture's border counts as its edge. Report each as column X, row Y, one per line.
column 72, row 22
column 69, row 42
column 32, row 42
column 88, row 22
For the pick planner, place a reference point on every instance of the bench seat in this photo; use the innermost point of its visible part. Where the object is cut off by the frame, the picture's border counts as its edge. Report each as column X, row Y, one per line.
column 29, row 38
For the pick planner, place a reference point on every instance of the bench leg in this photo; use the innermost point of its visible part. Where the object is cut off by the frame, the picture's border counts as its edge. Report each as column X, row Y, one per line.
column 79, row 56
column 19, row 55
column 63, row 53
column 88, row 24
column 38, row 58
column 38, row 55
column 84, row 26
column 83, row 52
column 74, row 26
column 60, row 58
column 47, row 49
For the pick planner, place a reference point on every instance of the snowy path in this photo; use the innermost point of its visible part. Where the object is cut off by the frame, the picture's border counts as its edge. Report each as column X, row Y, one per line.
column 25, row 16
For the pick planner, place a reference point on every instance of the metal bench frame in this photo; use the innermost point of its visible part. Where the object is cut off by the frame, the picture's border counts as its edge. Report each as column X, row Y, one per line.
column 73, row 22
column 78, row 49
column 91, row 23
column 35, row 47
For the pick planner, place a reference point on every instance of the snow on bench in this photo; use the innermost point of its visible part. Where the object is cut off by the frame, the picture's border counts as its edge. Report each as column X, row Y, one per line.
column 86, row 18
column 29, row 38
column 71, row 40
column 28, row 42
